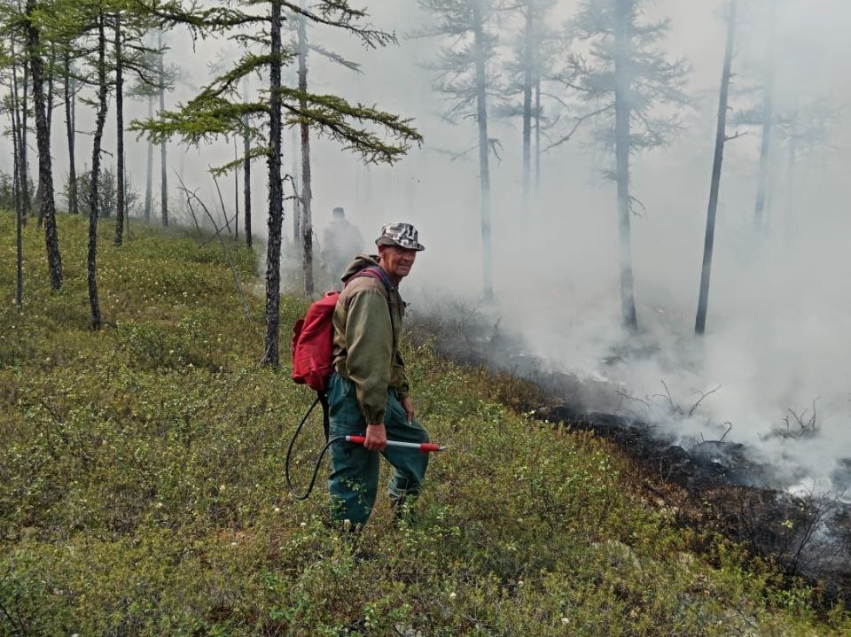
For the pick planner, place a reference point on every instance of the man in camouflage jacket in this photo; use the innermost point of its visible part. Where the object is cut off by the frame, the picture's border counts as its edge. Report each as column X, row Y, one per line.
column 368, row 391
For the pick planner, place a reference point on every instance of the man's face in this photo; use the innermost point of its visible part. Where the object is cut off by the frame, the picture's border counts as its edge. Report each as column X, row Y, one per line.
column 396, row 261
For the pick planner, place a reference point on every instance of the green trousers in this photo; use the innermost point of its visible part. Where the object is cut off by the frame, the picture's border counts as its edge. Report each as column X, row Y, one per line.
column 353, row 483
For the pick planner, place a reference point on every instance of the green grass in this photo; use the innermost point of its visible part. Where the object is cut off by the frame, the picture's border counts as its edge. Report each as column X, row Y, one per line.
column 142, row 490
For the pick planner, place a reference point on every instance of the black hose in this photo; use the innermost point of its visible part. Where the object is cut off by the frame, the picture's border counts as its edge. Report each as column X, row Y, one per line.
column 321, row 398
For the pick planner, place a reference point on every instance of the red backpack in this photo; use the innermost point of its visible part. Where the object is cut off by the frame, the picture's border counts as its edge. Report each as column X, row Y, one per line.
column 313, row 337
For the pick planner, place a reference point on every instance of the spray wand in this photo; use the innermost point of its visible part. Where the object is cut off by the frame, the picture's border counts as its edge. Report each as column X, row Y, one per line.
column 424, row 447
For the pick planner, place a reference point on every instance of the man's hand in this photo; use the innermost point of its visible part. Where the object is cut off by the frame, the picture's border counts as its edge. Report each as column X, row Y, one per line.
column 376, row 437
column 408, row 406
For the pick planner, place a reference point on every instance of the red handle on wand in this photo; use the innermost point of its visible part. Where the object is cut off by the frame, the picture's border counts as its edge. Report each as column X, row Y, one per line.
column 422, row 447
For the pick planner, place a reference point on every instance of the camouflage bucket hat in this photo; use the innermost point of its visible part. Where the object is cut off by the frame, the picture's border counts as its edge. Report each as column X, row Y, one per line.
column 400, row 234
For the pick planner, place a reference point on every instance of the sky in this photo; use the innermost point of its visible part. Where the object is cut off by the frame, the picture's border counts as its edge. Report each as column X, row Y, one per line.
column 778, row 326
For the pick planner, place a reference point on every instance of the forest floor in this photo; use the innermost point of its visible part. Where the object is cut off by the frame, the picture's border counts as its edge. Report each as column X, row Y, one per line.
column 142, row 487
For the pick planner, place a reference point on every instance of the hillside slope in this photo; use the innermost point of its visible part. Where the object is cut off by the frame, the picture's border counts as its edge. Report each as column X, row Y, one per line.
column 142, row 489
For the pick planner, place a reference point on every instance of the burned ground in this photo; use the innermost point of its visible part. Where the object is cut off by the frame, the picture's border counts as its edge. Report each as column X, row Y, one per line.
column 718, row 486
column 715, row 485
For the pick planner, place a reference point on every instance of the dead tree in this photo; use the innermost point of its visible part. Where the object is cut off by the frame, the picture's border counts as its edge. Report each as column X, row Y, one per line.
column 715, row 186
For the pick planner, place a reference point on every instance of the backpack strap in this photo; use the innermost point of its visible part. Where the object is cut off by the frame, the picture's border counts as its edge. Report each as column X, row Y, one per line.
column 377, row 273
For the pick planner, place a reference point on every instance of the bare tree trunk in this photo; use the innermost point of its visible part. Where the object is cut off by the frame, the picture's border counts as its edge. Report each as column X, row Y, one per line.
column 527, row 103
column 19, row 123
column 715, row 187
column 623, row 55
column 119, row 130
column 94, row 196
column 271, row 353
column 767, row 129
column 45, row 169
column 51, row 75
column 791, row 227
column 25, row 165
column 537, row 137
column 297, row 200
column 163, row 150
column 149, row 169
column 246, row 168
column 236, row 191
column 246, row 185
column 51, row 66
column 484, row 169
column 70, row 133
column 306, row 192
column 126, row 205
column 16, row 191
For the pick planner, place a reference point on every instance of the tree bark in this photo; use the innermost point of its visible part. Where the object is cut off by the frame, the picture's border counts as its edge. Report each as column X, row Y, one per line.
column 51, row 66
column 271, row 354
column 149, row 170
column 306, row 192
column 19, row 124
column 484, row 169
column 163, row 150
column 25, row 165
column 236, row 191
column 246, row 168
column 120, row 211
column 45, row 169
column 297, row 197
column 70, row 133
column 94, row 199
column 48, row 113
column 715, row 187
column 19, row 210
column 623, row 54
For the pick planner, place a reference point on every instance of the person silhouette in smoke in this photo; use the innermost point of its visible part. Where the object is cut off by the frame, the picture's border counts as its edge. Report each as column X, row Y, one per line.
column 341, row 242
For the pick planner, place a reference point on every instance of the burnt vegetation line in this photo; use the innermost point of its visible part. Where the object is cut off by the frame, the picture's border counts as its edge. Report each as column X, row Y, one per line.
column 713, row 487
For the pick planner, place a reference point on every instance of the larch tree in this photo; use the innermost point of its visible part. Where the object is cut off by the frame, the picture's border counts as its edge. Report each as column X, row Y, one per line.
column 764, row 113
column 130, row 55
column 26, row 180
column 97, row 140
column 717, row 162
column 152, row 79
column 525, row 71
column 70, row 88
column 118, row 55
column 11, row 105
column 246, row 167
column 306, row 198
column 163, row 141
column 14, row 36
column 807, row 129
column 624, row 78
column 14, row 103
column 767, row 123
column 15, row 68
column 304, row 210
column 49, row 72
column 465, row 75
column 35, row 23
column 218, row 110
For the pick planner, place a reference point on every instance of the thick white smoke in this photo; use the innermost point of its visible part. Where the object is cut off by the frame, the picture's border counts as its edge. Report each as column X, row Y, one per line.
column 777, row 335
column 775, row 361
